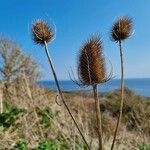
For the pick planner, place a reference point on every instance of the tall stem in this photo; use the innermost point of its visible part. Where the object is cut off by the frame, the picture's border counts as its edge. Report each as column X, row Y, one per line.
column 1, row 101
column 32, row 101
column 122, row 95
column 61, row 94
column 98, row 115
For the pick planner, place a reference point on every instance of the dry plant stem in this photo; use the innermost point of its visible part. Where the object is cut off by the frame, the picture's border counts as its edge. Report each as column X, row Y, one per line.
column 31, row 98
column 98, row 116
column 1, row 101
column 122, row 96
column 61, row 95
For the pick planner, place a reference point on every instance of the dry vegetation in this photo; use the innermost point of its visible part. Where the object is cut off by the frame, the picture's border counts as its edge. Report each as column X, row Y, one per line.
column 35, row 118
column 57, row 126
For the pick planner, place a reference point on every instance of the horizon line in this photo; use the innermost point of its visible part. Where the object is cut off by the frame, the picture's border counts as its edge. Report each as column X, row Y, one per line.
column 110, row 80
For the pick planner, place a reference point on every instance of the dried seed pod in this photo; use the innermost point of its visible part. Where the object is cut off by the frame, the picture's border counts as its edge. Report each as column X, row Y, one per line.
column 91, row 65
column 42, row 32
column 121, row 29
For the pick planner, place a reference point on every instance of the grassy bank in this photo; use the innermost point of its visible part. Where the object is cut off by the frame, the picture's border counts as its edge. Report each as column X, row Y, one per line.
column 34, row 118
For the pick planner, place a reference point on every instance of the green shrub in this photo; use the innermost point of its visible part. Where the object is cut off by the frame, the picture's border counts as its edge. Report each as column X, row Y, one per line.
column 144, row 147
column 46, row 116
column 9, row 117
column 21, row 145
column 62, row 142
column 79, row 145
column 49, row 144
column 136, row 112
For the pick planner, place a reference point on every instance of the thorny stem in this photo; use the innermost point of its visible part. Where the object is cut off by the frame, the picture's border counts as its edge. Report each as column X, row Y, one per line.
column 122, row 96
column 98, row 116
column 61, row 94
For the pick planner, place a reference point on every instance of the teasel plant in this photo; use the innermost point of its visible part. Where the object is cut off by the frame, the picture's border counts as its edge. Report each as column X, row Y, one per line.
column 92, row 72
column 43, row 34
column 121, row 30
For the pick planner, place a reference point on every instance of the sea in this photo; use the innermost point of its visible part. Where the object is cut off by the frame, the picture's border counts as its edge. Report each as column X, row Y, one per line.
column 139, row 86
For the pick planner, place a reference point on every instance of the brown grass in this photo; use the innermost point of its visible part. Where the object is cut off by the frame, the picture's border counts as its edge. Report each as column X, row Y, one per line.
column 82, row 106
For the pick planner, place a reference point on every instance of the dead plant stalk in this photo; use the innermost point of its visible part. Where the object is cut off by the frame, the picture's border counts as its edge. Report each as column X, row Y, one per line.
column 61, row 94
column 98, row 115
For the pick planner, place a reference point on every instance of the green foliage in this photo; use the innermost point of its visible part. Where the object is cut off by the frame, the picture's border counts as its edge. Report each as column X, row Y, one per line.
column 59, row 143
column 144, row 147
column 46, row 116
column 49, row 144
column 21, row 145
column 62, row 142
column 9, row 117
column 79, row 145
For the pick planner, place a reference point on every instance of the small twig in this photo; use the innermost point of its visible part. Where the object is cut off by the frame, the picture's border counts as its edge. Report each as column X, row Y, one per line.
column 1, row 101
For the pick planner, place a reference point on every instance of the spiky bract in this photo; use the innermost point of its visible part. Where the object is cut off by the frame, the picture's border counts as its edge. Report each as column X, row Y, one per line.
column 91, row 65
column 42, row 32
column 121, row 29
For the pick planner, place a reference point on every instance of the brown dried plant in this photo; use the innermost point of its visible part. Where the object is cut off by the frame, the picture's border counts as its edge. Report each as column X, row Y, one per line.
column 42, row 34
column 121, row 30
column 92, row 71
column 13, row 60
column 91, row 63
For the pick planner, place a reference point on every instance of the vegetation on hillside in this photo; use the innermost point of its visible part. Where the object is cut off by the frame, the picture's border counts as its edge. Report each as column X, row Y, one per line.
column 52, row 128
column 35, row 118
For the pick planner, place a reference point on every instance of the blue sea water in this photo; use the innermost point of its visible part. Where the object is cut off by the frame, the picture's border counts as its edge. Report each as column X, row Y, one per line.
column 139, row 86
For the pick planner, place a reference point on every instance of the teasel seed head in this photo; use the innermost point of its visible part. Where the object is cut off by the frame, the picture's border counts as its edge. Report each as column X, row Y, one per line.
column 121, row 29
column 42, row 32
column 91, row 63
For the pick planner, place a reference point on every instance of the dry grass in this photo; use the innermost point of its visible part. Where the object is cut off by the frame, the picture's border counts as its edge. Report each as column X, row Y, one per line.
column 135, row 125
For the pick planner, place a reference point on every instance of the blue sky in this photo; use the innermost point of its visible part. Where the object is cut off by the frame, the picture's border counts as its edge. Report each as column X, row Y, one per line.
column 75, row 21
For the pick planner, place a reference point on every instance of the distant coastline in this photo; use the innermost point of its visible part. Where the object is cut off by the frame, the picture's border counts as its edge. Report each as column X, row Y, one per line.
column 140, row 86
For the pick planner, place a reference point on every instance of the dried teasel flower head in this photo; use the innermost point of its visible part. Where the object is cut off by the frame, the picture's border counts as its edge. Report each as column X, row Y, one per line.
column 91, row 62
column 42, row 32
column 121, row 29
